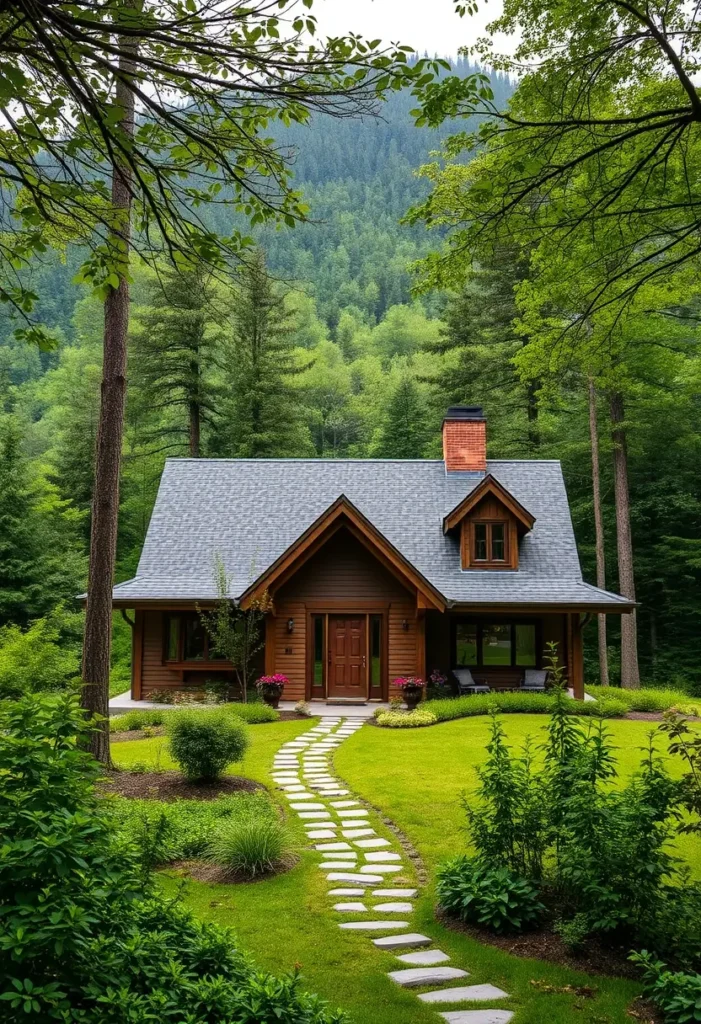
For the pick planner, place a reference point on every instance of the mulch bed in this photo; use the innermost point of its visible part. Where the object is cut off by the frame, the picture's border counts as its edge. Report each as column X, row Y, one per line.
column 215, row 874
column 170, row 786
column 545, row 944
column 137, row 734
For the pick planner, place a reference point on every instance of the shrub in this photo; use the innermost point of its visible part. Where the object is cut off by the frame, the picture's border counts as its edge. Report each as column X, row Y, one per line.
column 493, row 897
column 303, row 707
column 176, row 831
column 254, row 714
column 204, row 743
column 84, row 933
column 251, row 845
column 677, row 994
column 405, row 719
column 642, row 700
column 137, row 720
column 35, row 659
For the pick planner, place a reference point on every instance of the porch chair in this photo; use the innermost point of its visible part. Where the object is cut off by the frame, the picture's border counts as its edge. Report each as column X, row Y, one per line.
column 467, row 684
column 534, row 680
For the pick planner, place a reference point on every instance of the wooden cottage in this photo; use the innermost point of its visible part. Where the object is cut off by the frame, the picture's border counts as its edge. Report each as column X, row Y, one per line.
column 376, row 568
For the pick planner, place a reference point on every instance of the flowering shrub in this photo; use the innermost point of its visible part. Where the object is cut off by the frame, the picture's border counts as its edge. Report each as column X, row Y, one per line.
column 437, row 678
column 405, row 719
column 408, row 683
column 276, row 682
column 302, row 707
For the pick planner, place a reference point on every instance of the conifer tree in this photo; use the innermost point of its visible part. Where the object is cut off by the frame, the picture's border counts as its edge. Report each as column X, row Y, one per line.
column 404, row 432
column 20, row 587
column 262, row 419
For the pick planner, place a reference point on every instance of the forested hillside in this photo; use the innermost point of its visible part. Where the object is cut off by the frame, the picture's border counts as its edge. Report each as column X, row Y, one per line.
column 353, row 366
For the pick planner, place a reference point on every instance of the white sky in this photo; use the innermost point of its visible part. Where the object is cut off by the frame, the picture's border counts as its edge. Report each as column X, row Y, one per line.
column 430, row 25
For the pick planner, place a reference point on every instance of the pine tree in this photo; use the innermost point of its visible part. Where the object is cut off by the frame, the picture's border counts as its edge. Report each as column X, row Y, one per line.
column 20, row 587
column 263, row 417
column 178, row 357
column 405, row 432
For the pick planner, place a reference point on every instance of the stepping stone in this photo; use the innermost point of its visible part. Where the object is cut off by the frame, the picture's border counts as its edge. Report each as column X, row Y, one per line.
column 372, row 926
column 464, row 994
column 307, row 806
column 324, row 833
column 362, row 813
column 293, row 787
column 314, row 814
column 344, row 803
column 301, row 796
column 382, row 855
column 385, row 869
column 347, row 892
column 342, row 855
column 478, row 1016
column 424, row 957
column 324, row 823
column 348, row 876
column 335, row 865
column 350, row 908
column 394, row 908
column 413, row 977
column 367, row 844
column 332, row 846
column 356, row 833
column 408, row 941
column 408, row 893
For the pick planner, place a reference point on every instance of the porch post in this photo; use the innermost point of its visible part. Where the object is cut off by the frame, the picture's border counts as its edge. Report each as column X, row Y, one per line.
column 577, row 658
column 421, row 645
column 137, row 652
column 269, row 644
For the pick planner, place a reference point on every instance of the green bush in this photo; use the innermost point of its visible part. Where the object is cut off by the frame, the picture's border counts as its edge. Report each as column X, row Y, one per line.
column 177, row 831
column 644, row 699
column 254, row 714
column 35, row 659
column 250, row 844
column 137, row 719
column 514, row 703
column 677, row 994
column 204, row 743
column 406, row 719
column 492, row 897
column 85, row 935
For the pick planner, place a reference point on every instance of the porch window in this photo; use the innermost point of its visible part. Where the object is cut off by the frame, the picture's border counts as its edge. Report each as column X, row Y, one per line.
column 484, row 644
column 186, row 640
column 375, row 650
column 318, row 667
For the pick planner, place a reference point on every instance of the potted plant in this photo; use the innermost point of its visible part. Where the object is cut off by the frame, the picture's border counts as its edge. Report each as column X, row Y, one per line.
column 270, row 688
column 411, row 688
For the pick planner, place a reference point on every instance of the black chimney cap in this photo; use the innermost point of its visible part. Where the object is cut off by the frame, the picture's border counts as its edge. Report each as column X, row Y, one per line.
column 464, row 412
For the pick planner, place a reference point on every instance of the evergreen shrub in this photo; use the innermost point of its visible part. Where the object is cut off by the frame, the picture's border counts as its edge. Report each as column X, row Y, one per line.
column 406, row 719
column 488, row 895
column 204, row 743
column 251, row 844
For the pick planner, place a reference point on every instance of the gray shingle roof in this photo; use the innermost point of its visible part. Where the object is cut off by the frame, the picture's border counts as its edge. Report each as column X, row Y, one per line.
column 249, row 511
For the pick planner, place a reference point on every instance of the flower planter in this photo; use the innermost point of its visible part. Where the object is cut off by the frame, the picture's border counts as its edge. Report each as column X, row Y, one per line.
column 272, row 697
column 270, row 688
column 412, row 696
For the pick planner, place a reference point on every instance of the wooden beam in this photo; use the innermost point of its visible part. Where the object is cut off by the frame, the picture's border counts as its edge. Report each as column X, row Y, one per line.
column 421, row 644
column 577, row 659
column 269, row 645
column 137, row 655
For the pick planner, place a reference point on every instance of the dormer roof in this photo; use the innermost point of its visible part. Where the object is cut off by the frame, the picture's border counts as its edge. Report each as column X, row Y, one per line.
column 489, row 485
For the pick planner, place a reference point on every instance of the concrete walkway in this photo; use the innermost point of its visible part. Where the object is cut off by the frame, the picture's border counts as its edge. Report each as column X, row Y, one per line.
column 360, row 867
column 123, row 702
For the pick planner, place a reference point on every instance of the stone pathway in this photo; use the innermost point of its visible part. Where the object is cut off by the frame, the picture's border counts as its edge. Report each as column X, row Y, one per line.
column 359, row 866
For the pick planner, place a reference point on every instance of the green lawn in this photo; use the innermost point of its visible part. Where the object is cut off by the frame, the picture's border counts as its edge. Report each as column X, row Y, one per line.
column 416, row 778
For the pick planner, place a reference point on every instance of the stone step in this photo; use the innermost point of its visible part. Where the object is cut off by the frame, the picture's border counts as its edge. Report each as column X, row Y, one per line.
column 394, row 908
column 348, row 876
column 347, row 892
column 410, row 940
column 369, row 844
column 373, row 926
column 310, row 805
column 360, row 813
column 383, row 855
column 301, row 796
column 408, row 893
column 350, row 908
column 385, row 869
column 335, row 865
column 323, row 833
column 355, row 833
column 478, row 1016
column 344, row 803
column 332, row 846
column 313, row 815
column 424, row 957
column 415, row 977
column 464, row 994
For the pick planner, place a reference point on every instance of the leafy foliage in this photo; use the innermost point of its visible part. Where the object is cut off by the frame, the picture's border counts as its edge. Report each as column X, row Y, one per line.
column 42, row 657
column 85, row 936
column 405, row 719
column 490, row 896
column 677, row 993
column 204, row 743
column 251, row 844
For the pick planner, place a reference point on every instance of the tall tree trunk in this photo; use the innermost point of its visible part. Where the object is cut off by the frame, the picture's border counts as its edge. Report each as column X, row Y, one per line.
column 105, row 505
column 599, row 531
column 630, row 674
column 194, row 430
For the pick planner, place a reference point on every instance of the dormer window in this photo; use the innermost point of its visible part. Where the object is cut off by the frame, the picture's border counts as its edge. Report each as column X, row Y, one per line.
column 489, row 542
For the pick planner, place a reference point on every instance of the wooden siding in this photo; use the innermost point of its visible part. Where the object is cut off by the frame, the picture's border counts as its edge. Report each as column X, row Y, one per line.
column 489, row 509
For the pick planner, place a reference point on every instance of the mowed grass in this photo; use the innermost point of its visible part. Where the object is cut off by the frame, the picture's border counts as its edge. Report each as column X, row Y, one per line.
column 419, row 775
column 416, row 778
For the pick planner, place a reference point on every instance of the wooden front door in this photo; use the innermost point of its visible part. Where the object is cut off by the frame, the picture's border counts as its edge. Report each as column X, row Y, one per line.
column 347, row 657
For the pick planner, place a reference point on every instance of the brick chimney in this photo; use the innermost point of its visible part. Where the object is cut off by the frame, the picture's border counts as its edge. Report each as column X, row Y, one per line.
column 465, row 439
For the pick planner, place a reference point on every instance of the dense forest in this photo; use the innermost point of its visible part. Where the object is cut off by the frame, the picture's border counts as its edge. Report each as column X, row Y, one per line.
column 320, row 346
